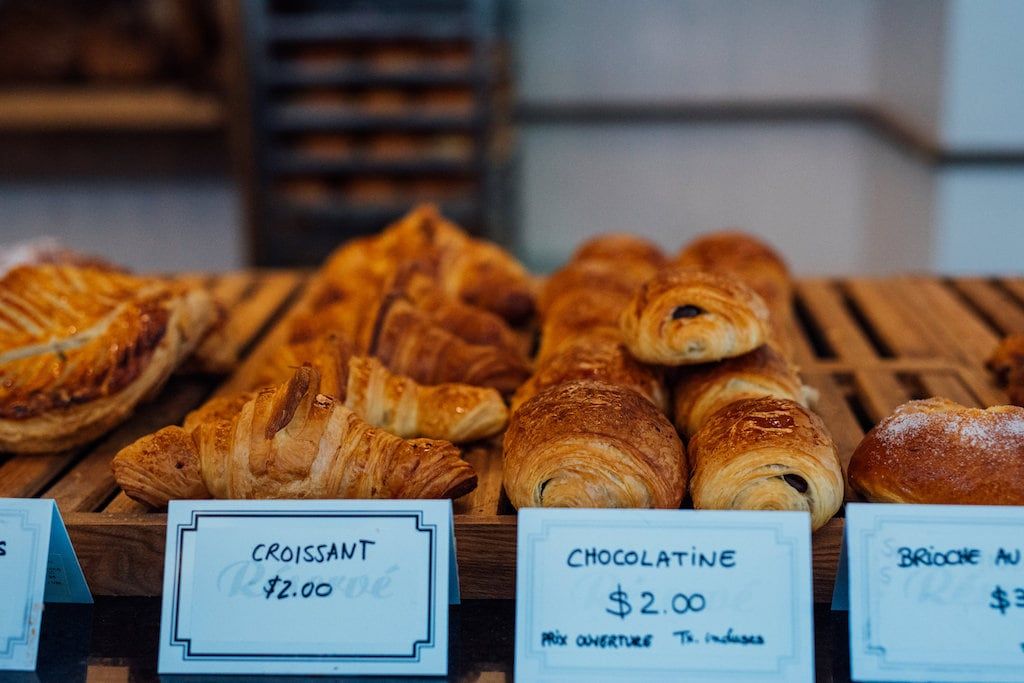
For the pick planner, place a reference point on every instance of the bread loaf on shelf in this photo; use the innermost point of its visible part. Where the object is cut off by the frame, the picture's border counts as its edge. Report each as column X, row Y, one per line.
column 938, row 451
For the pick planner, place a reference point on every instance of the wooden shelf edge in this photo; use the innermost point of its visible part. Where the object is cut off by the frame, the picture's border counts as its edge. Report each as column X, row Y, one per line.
column 102, row 108
column 123, row 554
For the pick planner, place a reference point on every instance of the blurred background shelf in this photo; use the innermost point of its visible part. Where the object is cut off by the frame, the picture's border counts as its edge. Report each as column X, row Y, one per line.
column 91, row 108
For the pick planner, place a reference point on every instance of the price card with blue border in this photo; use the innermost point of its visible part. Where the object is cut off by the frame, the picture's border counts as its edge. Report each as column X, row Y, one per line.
column 664, row 595
column 936, row 593
column 308, row 587
column 37, row 565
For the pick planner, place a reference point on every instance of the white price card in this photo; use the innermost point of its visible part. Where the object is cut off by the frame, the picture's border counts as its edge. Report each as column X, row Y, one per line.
column 308, row 587
column 37, row 565
column 663, row 595
column 936, row 592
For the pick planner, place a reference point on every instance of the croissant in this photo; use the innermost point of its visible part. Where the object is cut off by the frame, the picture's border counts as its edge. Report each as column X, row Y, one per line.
column 683, row 317
column 479, row 273
column 766, row 454
column 289, row 442
column 81, row 346
column 939, row 452
column 617, row 280
column 590, row 444
column 702, row 390
column 417, row 280
column 408, row 342
column 595, row 358
column 453, row 412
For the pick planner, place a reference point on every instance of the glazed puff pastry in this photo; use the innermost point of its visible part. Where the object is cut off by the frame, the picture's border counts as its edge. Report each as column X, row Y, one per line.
column 702, row 390
column 591, row 444
column 683, row 317
column 766, row 454
column 80, row 347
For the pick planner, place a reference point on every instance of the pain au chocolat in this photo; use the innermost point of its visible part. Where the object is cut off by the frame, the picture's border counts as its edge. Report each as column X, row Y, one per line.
column 80, row 347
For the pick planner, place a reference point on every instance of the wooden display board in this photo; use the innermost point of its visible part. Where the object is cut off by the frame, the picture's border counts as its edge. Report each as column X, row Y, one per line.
column 867, row 345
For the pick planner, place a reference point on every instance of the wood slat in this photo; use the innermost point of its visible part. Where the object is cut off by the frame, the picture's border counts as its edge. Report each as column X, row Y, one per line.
column 90, row 481
column 24, row 476
column 971, row 340
column 123, row 504
column 484, row 500
column 996, row 304
column 1015, row 286
column 838, row 417
column 948, row 385
column 841, row 331
column 890, row 321
column 881, row 392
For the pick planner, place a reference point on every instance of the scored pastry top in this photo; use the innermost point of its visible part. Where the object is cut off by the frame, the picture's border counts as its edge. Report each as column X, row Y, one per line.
column 72, row 334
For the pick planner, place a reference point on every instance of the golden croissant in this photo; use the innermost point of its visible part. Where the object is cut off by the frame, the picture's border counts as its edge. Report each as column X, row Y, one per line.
column 453, row 412
column 81, row 346
column 684, row 317
column 591, row 444
column 289, row 441
column 766, row 454
column 410, row 343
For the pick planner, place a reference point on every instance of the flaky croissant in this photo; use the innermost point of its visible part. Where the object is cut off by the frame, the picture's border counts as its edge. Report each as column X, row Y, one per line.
column 702, row 390
column 289, row 442
column 409, row 342
column 683, row 317
column 453, row 412
column 477, row 272
column 766, row 454
column 590, row 444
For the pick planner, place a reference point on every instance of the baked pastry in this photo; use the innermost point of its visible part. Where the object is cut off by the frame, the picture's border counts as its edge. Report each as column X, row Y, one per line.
column 1007, row 363
column 453, row 412
column 738, row 254
column 683, row 317
column 596, row 358
column 475, row 271
column 702, row 390
column 80, row 347
column 766, row 454
column 410, row 343
column 620, row 248
column 289, row 442
column 938, row 451
column 591, row 444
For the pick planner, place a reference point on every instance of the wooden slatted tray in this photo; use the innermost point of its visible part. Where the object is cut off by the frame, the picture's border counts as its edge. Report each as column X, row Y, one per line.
column 867, row 345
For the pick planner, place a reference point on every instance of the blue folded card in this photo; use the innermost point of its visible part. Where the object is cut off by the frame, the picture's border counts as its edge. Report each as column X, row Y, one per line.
column 936, row 593
column 37, row 565
column 308, row 587
column 663, row 595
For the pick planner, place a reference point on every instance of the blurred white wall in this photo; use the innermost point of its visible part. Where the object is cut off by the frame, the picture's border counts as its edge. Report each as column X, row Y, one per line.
column 160, row 224
column 835, row 195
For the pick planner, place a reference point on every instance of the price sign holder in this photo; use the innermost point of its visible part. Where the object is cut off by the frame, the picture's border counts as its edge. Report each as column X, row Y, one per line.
column 663, row 595
column 935, row 592
column 37, row 565
column 308, row 587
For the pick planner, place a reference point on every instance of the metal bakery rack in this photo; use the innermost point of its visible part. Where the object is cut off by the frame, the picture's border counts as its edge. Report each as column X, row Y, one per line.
column 867, row 345
column 355, row 110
